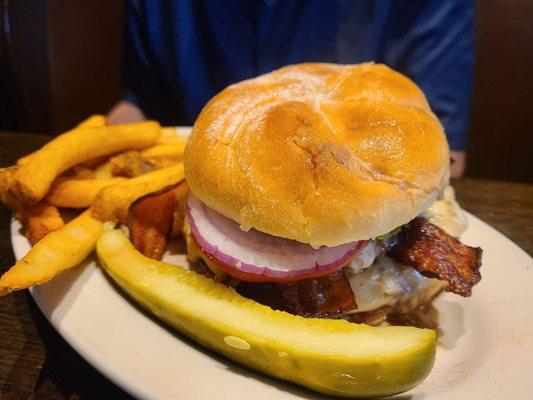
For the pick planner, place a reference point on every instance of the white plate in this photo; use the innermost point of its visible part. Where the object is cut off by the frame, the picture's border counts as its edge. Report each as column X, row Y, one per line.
column 486, row 351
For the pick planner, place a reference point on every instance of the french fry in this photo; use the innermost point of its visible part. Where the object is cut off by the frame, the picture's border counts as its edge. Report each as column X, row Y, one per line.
column 92, row 121
column 24, row 160
column 77, row 193
column 77, row 172
column 113, row 202
column 32, row 180
column 38, row 220
column 93, row 162
column 172, row 134
column 56, row 252
column 173, row 151
column 168, row 133
column 104, row 170
column 6, row 178
column 150, row 220
column 172, row 140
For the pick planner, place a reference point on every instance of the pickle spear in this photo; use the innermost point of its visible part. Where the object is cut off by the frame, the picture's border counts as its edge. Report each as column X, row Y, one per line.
column 334, row 357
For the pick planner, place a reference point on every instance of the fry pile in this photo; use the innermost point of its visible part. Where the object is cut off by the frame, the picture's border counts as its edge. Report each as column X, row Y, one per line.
column 100, row 170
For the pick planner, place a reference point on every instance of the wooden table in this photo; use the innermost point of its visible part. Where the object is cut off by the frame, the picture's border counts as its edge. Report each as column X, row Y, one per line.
column 36, row 362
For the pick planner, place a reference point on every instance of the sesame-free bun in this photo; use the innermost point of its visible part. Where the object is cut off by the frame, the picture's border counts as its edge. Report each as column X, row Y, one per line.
column 321, row 153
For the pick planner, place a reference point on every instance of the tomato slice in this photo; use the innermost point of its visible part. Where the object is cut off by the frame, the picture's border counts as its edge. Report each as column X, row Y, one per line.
column 248, row 277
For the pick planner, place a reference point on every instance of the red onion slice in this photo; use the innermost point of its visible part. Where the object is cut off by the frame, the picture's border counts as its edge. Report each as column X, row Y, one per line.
column 258, row 253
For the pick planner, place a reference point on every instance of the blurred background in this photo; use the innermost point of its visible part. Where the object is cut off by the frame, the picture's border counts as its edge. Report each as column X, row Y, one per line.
column 61, row 61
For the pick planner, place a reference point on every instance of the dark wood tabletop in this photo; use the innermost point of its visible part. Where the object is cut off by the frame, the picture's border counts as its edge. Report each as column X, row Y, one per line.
column 35, row 361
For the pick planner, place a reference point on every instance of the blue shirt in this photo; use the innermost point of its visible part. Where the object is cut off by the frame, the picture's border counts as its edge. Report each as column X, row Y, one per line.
column 179, row 54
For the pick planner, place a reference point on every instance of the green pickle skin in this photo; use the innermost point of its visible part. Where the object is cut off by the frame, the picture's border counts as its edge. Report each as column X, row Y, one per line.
column 334, row 357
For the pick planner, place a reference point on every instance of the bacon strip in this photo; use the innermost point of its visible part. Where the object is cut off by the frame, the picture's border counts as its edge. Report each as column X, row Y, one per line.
column 324, row 297
column 150, row 221
column 435, row 254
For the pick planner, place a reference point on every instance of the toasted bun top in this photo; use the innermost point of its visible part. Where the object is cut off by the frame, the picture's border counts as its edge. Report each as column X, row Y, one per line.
column 321, row 153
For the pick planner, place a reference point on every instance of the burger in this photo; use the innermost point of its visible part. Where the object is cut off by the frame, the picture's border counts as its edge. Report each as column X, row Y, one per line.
column 322, row 190
column 316, row 203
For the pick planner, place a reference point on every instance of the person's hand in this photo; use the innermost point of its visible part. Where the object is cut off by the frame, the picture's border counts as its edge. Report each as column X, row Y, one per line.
column 125, row 112
column 457, row 168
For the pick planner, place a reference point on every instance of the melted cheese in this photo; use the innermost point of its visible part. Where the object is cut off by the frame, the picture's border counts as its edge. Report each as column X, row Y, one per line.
column 387, row 283
column 383, row 282
column 365, row 258
column 447, row 214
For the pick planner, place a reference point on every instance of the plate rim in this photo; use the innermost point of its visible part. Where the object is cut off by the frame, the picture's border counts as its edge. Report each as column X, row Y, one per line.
column 99, row 362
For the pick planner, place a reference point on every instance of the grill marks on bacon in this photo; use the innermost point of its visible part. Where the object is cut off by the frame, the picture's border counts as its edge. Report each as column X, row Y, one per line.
column 325, row 297
column 435, row 254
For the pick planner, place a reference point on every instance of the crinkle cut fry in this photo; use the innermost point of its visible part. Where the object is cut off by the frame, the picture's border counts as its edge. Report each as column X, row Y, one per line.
column 113, row 202
column 38, row 220
column 92, row 121
column 59, row 250
column 78, row 193
column 32, row 181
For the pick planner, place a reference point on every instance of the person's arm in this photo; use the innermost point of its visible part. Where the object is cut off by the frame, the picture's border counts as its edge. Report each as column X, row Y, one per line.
column 431, row 41
column 144, row 88
column 458, row 163
column 125, row 112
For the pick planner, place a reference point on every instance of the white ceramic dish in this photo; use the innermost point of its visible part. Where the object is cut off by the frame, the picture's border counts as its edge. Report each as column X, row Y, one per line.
column 486, row 351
